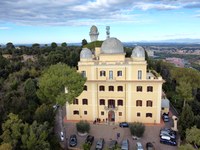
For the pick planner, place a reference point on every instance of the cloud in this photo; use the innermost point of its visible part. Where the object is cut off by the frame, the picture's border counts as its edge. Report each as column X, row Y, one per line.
column 4, row 28
column 73, row 12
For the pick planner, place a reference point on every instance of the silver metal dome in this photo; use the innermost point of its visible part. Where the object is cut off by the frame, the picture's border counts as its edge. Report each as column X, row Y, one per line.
column 112, row 46
column 138, row 51
column 86, row 53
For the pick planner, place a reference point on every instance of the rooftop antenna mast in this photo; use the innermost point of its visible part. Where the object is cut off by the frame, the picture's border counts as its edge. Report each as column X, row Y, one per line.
column 108, row 31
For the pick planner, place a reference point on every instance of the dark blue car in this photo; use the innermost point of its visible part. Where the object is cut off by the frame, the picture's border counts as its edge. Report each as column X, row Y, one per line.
column 169, row 142
column 123, row 124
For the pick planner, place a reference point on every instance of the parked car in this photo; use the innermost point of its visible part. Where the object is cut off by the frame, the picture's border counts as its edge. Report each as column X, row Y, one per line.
column 149, row 146
column 168, row 133
column 123, row 124
column 125, row 144
column 62, row 136
column 89, row 139
column 169, row 142
column 165, row 117
column 139, row 146
column 100, row 144
column 73, row 140
column 112, row 145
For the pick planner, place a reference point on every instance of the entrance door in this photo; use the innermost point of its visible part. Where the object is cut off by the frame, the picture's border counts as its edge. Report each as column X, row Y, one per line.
column 111, row 116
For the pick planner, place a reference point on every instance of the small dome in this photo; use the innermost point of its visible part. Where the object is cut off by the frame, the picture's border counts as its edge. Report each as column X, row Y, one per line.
column 93, row 30
column 85, row 53
column 138, row 51
column 112, row 46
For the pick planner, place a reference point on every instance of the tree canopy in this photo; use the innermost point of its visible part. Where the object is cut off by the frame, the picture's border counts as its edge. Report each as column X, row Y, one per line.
column 55, row 80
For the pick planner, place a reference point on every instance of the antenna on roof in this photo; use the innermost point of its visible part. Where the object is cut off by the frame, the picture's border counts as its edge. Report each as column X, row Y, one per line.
column 108, row 31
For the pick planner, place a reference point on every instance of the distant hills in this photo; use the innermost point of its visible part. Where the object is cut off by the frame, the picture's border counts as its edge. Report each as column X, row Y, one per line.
column 157, row 42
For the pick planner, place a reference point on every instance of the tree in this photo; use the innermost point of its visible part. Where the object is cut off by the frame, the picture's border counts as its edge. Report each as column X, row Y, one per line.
column 44, row 113
column 137, row 129
column 193, row 135
column 53, row 45
column 30, row 89
column 186, row 147
column 64, row 44
column 10, row 45
column 186, row 120
column 83, row 126
column 12, row 130
column 84, row 42
column 6, row 146
column 55, row 80
column 185, row 91
column 35, row 136
column 55, row 57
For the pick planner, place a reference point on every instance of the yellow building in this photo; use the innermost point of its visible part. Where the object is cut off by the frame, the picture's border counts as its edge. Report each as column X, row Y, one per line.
column 117, row 88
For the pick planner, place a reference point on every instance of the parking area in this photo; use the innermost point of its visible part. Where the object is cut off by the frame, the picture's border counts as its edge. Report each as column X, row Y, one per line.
column 109, row 132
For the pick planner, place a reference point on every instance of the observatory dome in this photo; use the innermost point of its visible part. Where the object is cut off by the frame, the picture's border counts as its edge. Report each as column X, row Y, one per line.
column 112, row 46
column 138, row 51
column 86, row 53
column 93, row 30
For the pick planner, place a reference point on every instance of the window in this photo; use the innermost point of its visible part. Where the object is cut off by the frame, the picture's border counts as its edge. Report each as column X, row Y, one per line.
column 149, row 88
column 85, row 101
column 75, row 101
column 139, row 74
column 149, row 103
column 120, row 88
column 83, row 73
column 101, row 88
column 102, row 113
column 85, row 112
column 85, row 88
column 110, row 75
column 139, row 88
column 120, row 113
column 139, row 103
column 138, row 114
column 163, row 108
column 111, row 88
column 76, row 112
column 120, row 102
column 149, row 115
column 102, row 73
column 119, row 73
column 111, row 103
column 102, row 102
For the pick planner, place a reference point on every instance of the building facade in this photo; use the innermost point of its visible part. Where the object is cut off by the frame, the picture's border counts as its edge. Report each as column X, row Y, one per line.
column 117, row 88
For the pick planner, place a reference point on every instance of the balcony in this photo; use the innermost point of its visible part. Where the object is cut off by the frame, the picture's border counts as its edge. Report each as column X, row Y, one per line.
column 110, row 107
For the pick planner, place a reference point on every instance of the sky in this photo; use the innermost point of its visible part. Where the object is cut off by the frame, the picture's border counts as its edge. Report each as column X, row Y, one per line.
column 46, row 21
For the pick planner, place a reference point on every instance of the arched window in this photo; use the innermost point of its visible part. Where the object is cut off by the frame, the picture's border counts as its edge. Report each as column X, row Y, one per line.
column 102, row 73
column 149, row 103
column 85, row 88
column 101, row 88
column 85, row 101
column 119, row 73
column 76, row 112
column 139, row 103
column 75, row 101
column 111, row 88
column 120, row 88
column 149, row 88
column 102, row 102
column 139, row 88
column 149, row 115
column 120, row 102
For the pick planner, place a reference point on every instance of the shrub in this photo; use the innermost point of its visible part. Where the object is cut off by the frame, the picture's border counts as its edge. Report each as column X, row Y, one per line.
column 83, row 126
column 137, row 129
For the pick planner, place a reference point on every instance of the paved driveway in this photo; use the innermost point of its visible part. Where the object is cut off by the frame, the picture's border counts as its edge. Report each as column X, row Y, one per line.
column 109, row 132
